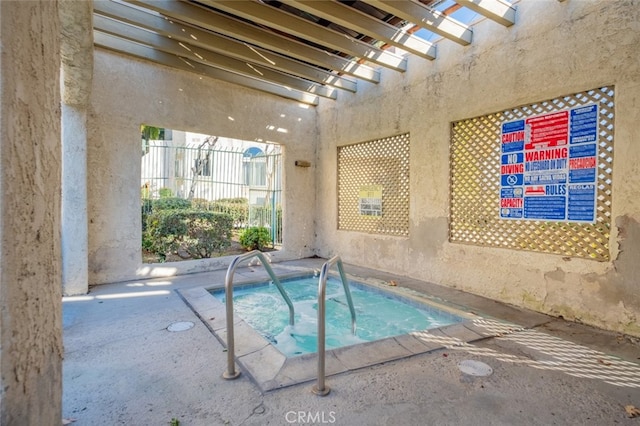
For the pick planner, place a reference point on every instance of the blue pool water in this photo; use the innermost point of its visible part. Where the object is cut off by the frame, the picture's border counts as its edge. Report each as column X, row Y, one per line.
column 378, row 314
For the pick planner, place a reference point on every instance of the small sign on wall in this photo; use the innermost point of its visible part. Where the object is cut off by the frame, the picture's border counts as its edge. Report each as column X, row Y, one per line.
column 366, row 170
column 548, row 167
column 370, row 200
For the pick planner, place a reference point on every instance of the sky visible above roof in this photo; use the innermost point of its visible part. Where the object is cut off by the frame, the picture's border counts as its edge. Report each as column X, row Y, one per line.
column 298, row 49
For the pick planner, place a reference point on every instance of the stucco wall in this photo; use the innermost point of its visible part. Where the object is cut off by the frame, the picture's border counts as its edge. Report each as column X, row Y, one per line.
column 555, row 49
column 127, row 92
column 30, row 277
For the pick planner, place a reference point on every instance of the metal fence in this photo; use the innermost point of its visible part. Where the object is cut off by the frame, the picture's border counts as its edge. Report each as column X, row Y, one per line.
column 245, row 183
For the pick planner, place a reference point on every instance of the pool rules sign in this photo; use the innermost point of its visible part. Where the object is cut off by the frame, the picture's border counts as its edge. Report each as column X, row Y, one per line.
column 548, row 167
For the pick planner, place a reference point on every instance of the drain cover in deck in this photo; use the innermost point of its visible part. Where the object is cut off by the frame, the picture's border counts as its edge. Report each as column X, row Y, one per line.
column 180, row 326
column 475, row 368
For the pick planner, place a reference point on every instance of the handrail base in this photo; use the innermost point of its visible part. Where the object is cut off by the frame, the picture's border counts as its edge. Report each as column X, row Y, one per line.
column 323, row 392
column 230, row 376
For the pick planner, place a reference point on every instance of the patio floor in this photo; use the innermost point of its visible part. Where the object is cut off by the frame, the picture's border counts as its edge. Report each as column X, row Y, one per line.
column 124, row 366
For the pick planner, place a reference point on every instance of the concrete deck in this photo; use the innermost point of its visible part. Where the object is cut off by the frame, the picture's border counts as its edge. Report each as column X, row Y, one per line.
column 123, row 365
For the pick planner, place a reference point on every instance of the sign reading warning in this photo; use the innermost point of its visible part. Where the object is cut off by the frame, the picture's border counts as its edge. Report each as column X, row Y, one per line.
column 548, row 168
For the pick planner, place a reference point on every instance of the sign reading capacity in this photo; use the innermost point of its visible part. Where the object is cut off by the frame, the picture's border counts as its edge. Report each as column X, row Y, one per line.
column 548, row 168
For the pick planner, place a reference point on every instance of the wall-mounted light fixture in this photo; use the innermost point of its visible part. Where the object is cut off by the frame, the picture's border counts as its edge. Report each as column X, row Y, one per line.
column 302, row 163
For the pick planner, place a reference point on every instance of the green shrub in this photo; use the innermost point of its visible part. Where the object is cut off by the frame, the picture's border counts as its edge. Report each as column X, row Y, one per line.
column 200, row 204
column 255, row 238
column 149, row 205
column 238, row 208
column 145, row 208
column 165, row 192
column 147, row 242
column 237, row 200
column 192, row 234
column 170, row 203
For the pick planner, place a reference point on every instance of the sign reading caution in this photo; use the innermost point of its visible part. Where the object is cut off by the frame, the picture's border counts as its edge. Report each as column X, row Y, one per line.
column 549, row 166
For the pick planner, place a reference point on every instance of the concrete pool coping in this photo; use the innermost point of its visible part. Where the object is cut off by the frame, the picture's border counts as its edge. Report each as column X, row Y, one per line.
column 270, row 369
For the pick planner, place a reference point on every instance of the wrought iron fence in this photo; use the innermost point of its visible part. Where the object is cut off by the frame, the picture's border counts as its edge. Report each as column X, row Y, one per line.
column 243, row 183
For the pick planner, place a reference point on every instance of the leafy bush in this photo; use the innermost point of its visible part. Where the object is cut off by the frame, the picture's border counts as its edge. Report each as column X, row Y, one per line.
column 149, row 205
column 255, row 238
column 145, row 209
column 192, row 234
column 238, row 208
column 170, row 203
column 165, row 192
column 200, row 204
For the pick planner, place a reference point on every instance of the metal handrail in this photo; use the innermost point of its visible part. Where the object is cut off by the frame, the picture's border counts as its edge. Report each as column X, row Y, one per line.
column 320, row 388
column 231, row 372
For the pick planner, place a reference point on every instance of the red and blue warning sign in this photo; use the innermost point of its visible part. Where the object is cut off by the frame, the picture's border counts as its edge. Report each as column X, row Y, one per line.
column 548, row 167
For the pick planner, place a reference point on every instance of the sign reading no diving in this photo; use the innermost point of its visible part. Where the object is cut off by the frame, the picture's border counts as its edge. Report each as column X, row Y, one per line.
column 548, row 167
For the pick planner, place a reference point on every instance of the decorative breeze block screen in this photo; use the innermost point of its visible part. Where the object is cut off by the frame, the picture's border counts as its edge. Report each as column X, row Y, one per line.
column 373, row 186
column 536, row 177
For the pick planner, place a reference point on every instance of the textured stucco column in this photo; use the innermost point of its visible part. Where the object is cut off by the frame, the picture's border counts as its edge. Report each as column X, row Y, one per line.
column 76, row 49
column 74, row 237
column 30, row 277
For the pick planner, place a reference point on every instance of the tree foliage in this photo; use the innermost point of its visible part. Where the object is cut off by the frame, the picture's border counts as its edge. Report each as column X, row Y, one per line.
column 150, row 133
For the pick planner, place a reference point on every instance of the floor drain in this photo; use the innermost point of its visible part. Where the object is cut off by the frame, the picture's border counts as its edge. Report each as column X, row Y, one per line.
column 180, row 326
column 475, row 368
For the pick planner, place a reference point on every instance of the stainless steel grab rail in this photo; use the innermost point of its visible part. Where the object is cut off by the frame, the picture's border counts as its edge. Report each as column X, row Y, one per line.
column 320, row 388
column 231, row 372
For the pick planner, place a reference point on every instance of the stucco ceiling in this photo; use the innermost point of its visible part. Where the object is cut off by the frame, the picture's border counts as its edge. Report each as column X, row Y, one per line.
column 297, row 49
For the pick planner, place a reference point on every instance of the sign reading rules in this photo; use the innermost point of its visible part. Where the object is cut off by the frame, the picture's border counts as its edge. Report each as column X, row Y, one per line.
column 548, row 167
